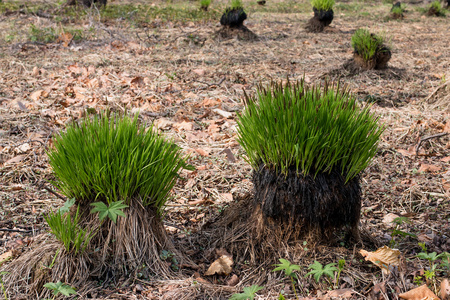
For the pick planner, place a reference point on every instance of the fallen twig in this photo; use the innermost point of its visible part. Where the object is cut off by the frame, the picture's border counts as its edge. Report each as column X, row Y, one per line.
column 428, row 138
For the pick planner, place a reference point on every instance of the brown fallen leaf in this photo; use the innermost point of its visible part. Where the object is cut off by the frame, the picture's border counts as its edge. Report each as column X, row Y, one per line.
column 384, row 257
column 446, row 159
column 445, row 289
column 183, row 126
column 221, row 266
column 5, row 257
column 202, row 152
column 340, row 293
column 230, row 156
column 420, row 293
column 14, row 160
column 137, row 81
column 199, row 72
column 227, row 197
column 223, row 113
column 65, row 38
column 233, row 280
column 199, row 278
column 429, row 168
column 36, row 95
column 410, row 152
column 163, row 123
column 387, row 219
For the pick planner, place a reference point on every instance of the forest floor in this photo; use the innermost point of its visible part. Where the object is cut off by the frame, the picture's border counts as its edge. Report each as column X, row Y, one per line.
column 164, row 61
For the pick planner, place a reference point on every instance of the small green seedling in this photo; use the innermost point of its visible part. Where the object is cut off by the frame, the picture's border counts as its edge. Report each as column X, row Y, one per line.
column 67, row 205
column 167, row 255
column 288, row 269
column 1, row 282
column 317, row 269
column 60, row 288
column 248, row 293
column 396, row 231
column 445, row 261
column 112, row 211
column 341, row 264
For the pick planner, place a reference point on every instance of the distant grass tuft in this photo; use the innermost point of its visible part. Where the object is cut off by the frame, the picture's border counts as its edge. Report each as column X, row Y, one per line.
column 323, row 4
column 204, row 4
column 236, row 4
column 436, row 9
column 366, row 44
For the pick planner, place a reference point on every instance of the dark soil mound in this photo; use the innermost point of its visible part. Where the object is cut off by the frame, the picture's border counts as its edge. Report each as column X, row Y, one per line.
column 321, row 19
column 87, row 3
column 395, row 15
column 379, row 61
column 322, row 203
column 241, row 33
column 233, row 17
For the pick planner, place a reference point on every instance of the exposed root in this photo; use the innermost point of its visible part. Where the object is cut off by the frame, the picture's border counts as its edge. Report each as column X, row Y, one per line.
column 314, row 25
column 321, row 203
column 135, row 242
column 46, row 261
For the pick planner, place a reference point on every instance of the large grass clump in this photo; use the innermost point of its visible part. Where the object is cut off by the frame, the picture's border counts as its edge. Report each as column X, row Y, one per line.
column 366, row 44
column 323, row 4
column 308, row 129
column 112, row 158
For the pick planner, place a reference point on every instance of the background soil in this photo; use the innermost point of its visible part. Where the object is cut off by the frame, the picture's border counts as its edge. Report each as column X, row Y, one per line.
column 167, row 65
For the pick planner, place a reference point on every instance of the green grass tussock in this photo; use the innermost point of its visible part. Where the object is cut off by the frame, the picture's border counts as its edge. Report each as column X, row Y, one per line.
column 366, row 44
column 111, row 158
column 312, row 129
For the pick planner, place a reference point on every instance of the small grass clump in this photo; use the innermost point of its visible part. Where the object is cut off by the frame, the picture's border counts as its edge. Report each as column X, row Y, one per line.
column 204, row 4
column 324, row 5
column 112, row 158
column 236, row 4
column 435, row 9
column 397, row 10
column 308, row 129
column 67, row 230
column 366, row 44
column 42, row 35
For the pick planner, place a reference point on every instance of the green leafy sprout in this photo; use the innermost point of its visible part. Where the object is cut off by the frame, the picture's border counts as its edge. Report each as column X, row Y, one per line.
column 60, row 288
column 113, row 158
column 325, row 5
column 67, row 230
column 396, row 231
column 366, row 44
column 312, row 129
column 288, row 269
column 341, row 265
column 248, row 293
column 318, row 270
column 2, row 285
column 111, row 211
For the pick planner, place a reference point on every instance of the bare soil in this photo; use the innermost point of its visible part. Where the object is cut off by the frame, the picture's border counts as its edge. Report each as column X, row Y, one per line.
column 177, row 74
